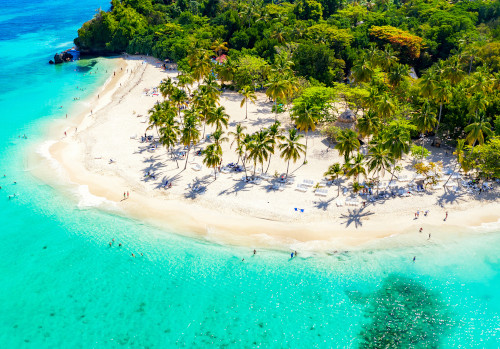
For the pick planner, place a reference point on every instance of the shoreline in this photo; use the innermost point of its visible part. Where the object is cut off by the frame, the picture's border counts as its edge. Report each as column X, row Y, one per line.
column 228, row 224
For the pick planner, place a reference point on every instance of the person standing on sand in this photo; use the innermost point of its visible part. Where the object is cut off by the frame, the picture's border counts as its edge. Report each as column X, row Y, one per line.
column 128, row 195
column 124, row 195
column 429, row 236
column 420, row 230
column 446, row 217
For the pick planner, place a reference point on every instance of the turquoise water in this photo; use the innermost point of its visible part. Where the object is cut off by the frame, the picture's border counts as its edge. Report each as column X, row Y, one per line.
column 62, row 286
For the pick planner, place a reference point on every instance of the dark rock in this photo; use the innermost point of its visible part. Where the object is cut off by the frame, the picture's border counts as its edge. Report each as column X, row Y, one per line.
column 58, row 58
column 67, row 57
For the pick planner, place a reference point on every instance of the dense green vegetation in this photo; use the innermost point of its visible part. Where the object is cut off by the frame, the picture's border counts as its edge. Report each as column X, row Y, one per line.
column 422, row 67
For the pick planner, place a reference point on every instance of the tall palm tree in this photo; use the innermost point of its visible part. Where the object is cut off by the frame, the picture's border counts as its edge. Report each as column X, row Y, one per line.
column 219, row 118
column 305, row 118
column 169, row 134
column 190, row 133
column 442, row 94
column 184, row 81
column 334, row 172
column 427, row 83
column 369, row 125
column 243, row 150
column 362, row 71
column 477, row 131
column 166, row 87
column 291, row 148
column 460, row 157
column 347, row 143
column 199, row 61
column 219, row 138
column 156, row 117
column 378, row 159
column 386, row 58
column 274, row 134
column 356, row 167
column 385, row 105
column 397, row 74
column 238, row 136
column 276, row 89
column 213, row 157
column 260, row 148
column 425, row 121
column 179, row 98
column 248, row 94
column 210, row 87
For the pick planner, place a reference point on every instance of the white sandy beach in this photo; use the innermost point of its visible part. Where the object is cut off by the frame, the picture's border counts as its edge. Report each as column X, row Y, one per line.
column 228, row 209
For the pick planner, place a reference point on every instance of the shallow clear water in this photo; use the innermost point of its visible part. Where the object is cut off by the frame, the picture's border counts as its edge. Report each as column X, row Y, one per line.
column 63, row 286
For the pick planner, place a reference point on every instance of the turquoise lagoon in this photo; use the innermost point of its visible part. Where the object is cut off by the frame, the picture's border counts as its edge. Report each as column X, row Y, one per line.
column 62, row 286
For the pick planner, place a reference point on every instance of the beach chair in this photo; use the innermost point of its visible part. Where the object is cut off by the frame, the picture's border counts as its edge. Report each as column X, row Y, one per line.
column 196, row 167
column 308, row 182
column 301, row 188
column 321, row 192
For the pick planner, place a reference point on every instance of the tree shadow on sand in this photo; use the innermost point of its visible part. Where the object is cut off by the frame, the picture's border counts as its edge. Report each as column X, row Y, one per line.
column 198, row 187
column 323, row 204
column 354, row 216
column 238, row 186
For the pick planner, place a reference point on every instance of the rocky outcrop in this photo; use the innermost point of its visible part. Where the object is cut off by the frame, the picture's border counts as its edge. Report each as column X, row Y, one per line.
column 62, row 57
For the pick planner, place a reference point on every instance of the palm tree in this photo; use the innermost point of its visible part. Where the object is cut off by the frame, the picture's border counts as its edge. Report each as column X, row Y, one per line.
column 219, row 118
column 334, row 171
column 190, row 133
column 442, row 94
column 243, row 149
column 156, row 117
column 248, row 94
column 398, row 73
column 305, row 118
column 238, row 137
column 168, row 136
column 219, row 138
column 427, row 83
column 477, row 130
column 362, row 71
column 347, row 143
column 213, row 157
column 379, row 159
column 385, row 105
column 369, row 125
column 166, row 87
column 210, row 87
column 218, row 46
column 356, row 166
column 291, row 149
column 184, row 81
column 179, row 98
column 200, row 64
column 425, row 121
column 460, row 154
column 225, row 71
column 386, row 58
column 274, row 134
column 276, row 89
column 260, row 148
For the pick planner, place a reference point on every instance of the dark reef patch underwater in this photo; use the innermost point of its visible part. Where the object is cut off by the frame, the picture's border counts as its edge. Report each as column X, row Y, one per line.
column 403, row 314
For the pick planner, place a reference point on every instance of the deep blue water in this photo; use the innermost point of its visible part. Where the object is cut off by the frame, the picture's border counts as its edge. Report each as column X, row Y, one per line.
column 61, row 286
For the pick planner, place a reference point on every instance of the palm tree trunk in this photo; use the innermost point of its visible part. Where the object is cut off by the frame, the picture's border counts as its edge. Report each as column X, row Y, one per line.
column 287, row 167
column 254, row 168
column 305, row 153
column 268, row 164
column 187, row 155
column 244, row 166
column 215, row 172
column 338, row 186
column 246, row 109
column 176, row 160
column 439, row 118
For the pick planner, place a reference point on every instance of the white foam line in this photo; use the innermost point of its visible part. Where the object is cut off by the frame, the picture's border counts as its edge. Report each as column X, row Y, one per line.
column 44, row 150
column 89, row 200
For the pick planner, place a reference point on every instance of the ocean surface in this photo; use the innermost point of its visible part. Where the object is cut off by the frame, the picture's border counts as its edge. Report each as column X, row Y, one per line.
column 62, row 286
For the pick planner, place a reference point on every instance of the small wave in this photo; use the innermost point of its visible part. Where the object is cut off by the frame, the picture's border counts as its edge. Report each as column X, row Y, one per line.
column 488, row 227
column 44, row 151
column 68, row 44
column 88, row 200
